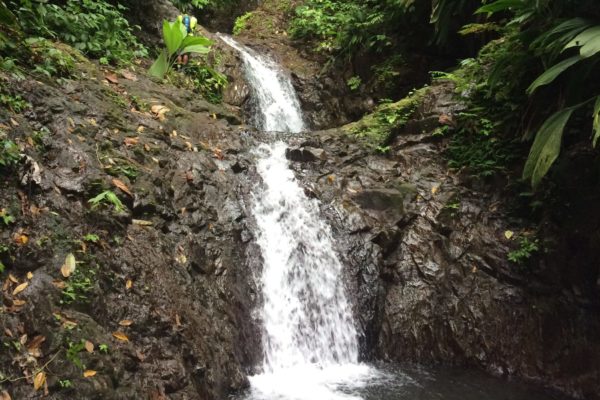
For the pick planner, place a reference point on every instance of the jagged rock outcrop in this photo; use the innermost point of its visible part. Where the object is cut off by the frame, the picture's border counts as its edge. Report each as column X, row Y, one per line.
column 428, row 268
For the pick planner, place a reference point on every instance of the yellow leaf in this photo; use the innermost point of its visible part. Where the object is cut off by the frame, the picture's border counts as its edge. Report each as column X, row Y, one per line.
column 141, row 222
column 20, row 288
column 29, row 275
column 128, row 284
column 12, row 278
column 509, row 234
column 21, row 240
column 140, row 129
column 39, row 380
column 121, row 336
column 89, row 346
column 19, row 303
column 126, row 322
column 4, row 395
column 69, row 266
column 89, row 373
column 435, row 189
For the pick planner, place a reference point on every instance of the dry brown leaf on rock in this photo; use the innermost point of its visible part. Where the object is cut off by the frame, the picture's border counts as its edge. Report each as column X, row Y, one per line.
column 129, row 75
column 89, row 373
column 4, row 395
column 69, row 266
column 20, row 288
column 39, row 380
column 118, row 183
column 126, row 322
column 159, row 111
column 120, row 336
column 89, row 346
column 131, row 141
column 112, row 78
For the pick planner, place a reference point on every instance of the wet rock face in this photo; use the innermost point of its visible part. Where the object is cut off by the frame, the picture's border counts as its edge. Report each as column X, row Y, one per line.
column 173, row 263
column 428, row 269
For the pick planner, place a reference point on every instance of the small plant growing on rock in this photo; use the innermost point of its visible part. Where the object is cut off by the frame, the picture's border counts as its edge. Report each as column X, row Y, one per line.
column 9, row 153
column 354, row 83
column 107, row 197
column 527, row 247
column 241, row 23
column 177, row 41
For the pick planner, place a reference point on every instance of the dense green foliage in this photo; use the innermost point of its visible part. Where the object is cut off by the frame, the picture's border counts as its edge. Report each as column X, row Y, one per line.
column 533, row 81
column 95, row 27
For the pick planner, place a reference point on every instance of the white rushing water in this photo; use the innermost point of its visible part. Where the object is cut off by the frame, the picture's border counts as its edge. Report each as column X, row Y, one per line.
column 309, row 338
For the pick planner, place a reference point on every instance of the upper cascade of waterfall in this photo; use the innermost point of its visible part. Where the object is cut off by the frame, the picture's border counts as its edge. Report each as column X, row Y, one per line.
column 278, row 107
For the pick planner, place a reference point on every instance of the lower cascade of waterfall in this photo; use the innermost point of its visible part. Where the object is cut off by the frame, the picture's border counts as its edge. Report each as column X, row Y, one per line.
column 310, row 344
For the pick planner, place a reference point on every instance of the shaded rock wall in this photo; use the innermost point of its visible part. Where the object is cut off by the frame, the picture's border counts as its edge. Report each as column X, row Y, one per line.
column 173, row 263
column 428, row 265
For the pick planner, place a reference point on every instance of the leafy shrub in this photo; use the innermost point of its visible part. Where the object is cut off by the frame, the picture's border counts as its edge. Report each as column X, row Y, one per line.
column 354, row 83
column 177, row 42
column 241, row 22
column 207, row 81
column 95, row 27
column 48, row 59
column 9, row 154
column 527, row 247
column 564, row 39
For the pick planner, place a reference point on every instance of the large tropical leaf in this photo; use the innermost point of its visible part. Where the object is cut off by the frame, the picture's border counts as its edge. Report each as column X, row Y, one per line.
column 546, row 146
column 560, row 35
column 500, row 5
column 173, row 35
column 592, row 46
column 550, row 74
column 160, row 66
column 584, row 37
column 196, row 40
column 596, row 116
column 195, row 48
column 6, row 16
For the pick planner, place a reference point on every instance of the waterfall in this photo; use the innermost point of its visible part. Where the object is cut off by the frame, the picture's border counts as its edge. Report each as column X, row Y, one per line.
column 309, row 338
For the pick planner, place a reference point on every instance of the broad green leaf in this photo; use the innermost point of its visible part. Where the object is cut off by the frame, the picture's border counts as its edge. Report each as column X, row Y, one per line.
column 173, row 36
column 546, row 146
column 596, row 116
column 584, row 37
column 195, row 48
column 6, row 16
column 550, row 74
column 160, row 66
column 196, row 40
column 500, row 5
column 592, row 47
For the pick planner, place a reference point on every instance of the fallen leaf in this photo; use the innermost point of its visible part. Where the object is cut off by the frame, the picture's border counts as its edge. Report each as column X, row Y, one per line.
column 39, row 380
column 140, row 129
column 129, row 75
column 331, row 179
column 69, row 266
column 147, row 148
column 23, row 339
column 128, row 284
column 30, row 275
column 59, row 284
column 89, row 346
column 20, row 239
column 112, row 78
column 92, row 121
column 20, row 288
column 122, row 186
column 12, row 278
column 8, row 332
column 435, row 189
column 121, row 336
column 159, row 111
column 19, row 303
column 15, row 123
column 509, row 234
column 126, row 322
column 141, row 222
column 131, row 141
column 89, row 373
column 4, row 395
